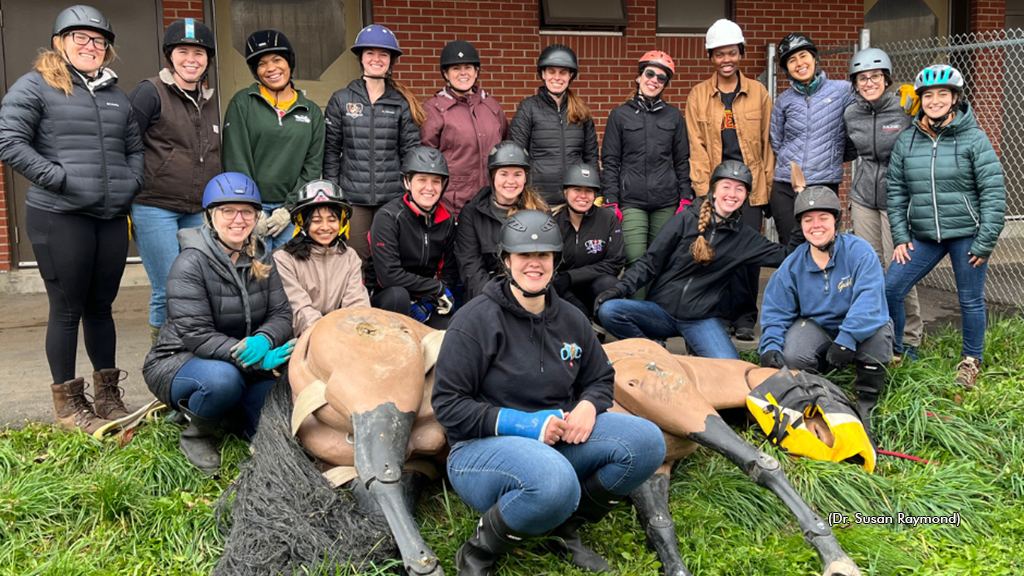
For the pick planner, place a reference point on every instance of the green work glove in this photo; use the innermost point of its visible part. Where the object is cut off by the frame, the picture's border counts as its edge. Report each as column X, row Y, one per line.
column 251, row 350
column 278, row 355
column 279, row 220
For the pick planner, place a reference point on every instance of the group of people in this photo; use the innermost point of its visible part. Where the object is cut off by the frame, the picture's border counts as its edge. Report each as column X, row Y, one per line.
column 252, row 230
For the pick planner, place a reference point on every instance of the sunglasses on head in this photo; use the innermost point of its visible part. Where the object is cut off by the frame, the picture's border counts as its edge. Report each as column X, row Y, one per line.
column 652, row 74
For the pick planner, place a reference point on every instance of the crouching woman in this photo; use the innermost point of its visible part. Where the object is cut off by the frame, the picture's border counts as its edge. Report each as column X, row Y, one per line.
column 522, row 386
column 228, row 323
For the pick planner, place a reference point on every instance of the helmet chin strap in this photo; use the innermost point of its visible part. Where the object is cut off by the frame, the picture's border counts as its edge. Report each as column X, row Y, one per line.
column 936, row 123
column 543, row 291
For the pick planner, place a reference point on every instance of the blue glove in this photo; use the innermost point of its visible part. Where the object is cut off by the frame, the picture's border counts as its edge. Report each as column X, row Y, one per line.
column 526, row 424
column 251, row 350
column 421, row 310
column 278, row 355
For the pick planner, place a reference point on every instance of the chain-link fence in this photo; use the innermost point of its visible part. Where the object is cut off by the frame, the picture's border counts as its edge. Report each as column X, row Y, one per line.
column 992, row 63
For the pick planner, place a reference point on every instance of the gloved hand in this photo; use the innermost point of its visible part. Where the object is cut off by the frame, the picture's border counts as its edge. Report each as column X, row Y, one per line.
column 682, row 205
column 618, row 213
column 251, row 350
column 609, row 294
column 526, row 424
column 261, row 224
column 279, row 220
column 445, row 303
column 908, row 99
column 839, row 355
column 421, row 310
column 773, row 359
column 278, row 355
column 562, row 283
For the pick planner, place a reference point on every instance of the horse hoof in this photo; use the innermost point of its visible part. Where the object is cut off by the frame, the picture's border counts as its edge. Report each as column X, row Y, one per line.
column 432, row 568
column 842, row 567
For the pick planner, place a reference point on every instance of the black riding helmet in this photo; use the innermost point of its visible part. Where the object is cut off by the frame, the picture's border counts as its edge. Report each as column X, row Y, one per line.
column 458, row 52
column 558, row 55
column 189, row 32
column 793, row 43
column 581, row 175
column 266, row 42
column 733, row 170
column 529, row 231
column 819, row 198
column 426, row 160
column 83, row 18
column 315, row 194
column 508, row 153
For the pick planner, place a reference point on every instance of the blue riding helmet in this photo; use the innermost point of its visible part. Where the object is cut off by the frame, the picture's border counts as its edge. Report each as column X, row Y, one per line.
column 231, row 188
column 376, row 36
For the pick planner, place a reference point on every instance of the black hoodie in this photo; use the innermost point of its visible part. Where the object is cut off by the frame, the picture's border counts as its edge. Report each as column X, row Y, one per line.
column 497, row 355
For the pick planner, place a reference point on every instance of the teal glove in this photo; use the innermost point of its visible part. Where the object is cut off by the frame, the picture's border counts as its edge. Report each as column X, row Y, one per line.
column 251, row 350
column 278, row 355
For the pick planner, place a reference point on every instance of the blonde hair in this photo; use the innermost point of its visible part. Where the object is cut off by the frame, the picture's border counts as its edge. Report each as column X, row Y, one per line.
column 577, row 113
column 53, row 67
column 419, row 116
column 258, row 270
column 701, row 250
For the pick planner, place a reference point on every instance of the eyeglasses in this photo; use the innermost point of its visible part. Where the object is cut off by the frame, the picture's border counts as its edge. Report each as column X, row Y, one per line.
column 876, row 78
column 247, row 214
column 83, row 39
column 652, row 74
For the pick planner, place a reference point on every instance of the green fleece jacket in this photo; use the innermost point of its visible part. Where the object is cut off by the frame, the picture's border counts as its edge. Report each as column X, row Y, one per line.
column 280, row 153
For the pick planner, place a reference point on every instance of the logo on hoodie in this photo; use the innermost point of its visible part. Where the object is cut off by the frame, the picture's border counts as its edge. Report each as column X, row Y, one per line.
column 594, row 246
column 355, row 110
column 571, row 352
column 846, row 282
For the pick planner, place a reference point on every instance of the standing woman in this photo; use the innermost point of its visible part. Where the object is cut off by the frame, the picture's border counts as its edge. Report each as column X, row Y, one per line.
column 874, row 122
column 555, row 126
column 946, row 196
column 179, row 123
column 807, row 128
column 273, row 133
column 464, row 122
column 728, row 117
column 476, row 238
column 320, row 274
column 228, row 322
column 646, row 158
column 371, row 125
column 522, row 387
column 68, row 129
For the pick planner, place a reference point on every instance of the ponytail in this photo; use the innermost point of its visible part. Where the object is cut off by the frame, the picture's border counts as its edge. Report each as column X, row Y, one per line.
column 418, row 115
column 701, row 250
column 577, row 113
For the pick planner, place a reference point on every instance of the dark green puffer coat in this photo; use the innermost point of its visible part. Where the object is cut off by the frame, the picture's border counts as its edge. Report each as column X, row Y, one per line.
column 947, row 187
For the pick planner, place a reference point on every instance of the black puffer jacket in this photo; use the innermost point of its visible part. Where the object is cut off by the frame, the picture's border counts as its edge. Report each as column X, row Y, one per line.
column 553, row 144
column 412, row 250
column 211, row 305
column 476, row 243
column 82, row 153
column 366, row 143
column 596, row 248
column 645, row 156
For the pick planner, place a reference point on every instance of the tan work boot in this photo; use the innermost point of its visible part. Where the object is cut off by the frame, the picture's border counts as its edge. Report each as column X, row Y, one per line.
column 73, row 410
column 108, row 391
column 967, row 372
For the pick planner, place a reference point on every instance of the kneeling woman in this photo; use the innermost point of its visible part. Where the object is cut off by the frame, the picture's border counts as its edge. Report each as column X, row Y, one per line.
column 690, row 264
column 522, row 387
column 319, row 272
column 228, row 322
column 412, row 244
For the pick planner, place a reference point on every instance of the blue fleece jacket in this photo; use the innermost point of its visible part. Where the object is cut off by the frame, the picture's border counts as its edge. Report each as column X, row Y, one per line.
column 847, row 298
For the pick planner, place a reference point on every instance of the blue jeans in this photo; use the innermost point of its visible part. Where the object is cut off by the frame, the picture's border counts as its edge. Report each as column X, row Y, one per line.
column 214, row 388
column 156, row 235
column 285, row 235
column 644, row 319
column 970, row 289
column 538, row 485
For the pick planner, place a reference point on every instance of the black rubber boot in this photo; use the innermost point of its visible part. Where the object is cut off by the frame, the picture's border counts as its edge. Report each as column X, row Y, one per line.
column 651, row 503
column 492, row 538
column 868, row 384
column 595, row 503
column 197, row 441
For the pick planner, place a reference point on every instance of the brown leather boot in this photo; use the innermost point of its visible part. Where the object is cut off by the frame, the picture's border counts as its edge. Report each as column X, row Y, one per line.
column 73, row 410
column 107, row 387
column 967, row 372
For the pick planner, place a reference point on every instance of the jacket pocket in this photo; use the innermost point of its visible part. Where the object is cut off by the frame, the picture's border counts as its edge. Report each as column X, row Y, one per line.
column 970, row 211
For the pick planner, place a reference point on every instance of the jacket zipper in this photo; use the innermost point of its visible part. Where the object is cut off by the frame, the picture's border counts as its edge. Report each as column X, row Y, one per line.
column 686, row 287
column 874, row 151
column 971, row 211
column 373, row 155
column 935, row 204
column 103, row 154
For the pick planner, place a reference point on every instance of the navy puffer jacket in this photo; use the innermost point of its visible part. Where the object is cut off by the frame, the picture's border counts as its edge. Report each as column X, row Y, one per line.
column 82, row 153
column 810, row 131
column 366, row 143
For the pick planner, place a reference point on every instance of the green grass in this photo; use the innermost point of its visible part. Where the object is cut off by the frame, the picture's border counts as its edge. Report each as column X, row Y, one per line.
column 70, row 505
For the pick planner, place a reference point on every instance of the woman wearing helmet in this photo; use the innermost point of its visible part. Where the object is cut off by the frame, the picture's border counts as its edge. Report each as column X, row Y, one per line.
column 273, row 133
column 555, row 126
column 522, row 387
column 824, row 307
column 179, row 123
column 688, row 267
column 594, row 253
column 371, row 125
column 873, row 123
column 320, row 274
column 412, row 244
column 807, row 128
column 464, row 123
column 68, row 129
column 646, row 158
column 228, row 322
column 728, row 118
column 946, row 196
column 476, row 240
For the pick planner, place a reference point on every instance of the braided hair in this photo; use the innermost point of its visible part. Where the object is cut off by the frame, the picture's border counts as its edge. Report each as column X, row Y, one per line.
column 701, row 250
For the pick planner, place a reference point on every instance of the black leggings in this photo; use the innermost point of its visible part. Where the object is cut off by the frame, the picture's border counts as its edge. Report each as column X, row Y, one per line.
column 81, row 260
